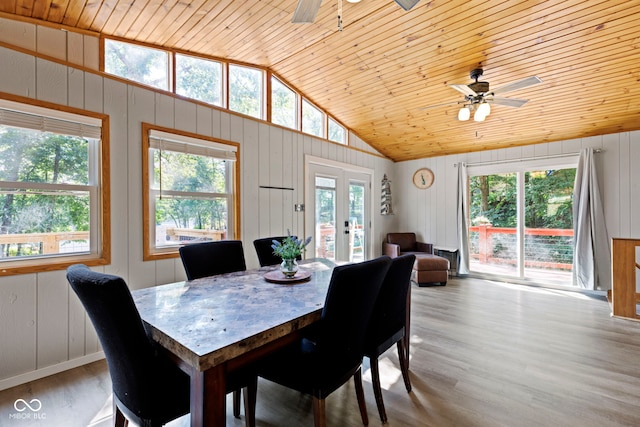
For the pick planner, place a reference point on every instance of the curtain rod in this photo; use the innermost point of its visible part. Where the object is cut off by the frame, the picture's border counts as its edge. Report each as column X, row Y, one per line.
column 551, row 156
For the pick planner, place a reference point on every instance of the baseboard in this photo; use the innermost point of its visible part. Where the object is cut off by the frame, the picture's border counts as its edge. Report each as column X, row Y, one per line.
column 49, row 370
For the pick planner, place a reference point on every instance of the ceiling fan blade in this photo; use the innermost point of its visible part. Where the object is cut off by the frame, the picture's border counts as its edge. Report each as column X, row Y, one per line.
column 509, row 102
column 306, row 11
column 407, row 4
column 520, row 84
column 466, row 90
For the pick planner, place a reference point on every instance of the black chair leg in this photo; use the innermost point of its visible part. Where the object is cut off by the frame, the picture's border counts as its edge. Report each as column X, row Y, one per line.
column 404, row 364
column 377, row 389
column 236, row 403
column 357, row 379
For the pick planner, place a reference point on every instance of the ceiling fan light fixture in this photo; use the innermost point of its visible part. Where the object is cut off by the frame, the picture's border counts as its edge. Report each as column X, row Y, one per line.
column 464, row 114
column 478, row 116
column 484, row 109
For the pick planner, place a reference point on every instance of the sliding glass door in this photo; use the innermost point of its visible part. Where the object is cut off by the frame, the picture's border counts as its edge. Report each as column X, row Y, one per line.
column 521, row 222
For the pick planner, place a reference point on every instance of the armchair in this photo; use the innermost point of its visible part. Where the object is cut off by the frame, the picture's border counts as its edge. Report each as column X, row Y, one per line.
column 428, row 268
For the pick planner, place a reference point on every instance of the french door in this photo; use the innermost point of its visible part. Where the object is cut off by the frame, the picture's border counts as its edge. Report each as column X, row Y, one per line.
column 338, row 209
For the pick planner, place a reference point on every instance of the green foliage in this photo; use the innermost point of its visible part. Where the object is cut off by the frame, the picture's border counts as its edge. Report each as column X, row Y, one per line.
column 283, row 104
column 290, row 248
column 32, row 156
column 193, row 174
column 548, row 199
column 199, row 79
column 245, row 90
column 137, row 63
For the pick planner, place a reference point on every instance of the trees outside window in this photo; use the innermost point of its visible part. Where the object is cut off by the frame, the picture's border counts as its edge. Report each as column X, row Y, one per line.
column 50, row 187
column 245, row 90
column 284, row 105
column 337, row 133
column 199, row 79
column 312, row 119
column 189, row 191
column 138, row 63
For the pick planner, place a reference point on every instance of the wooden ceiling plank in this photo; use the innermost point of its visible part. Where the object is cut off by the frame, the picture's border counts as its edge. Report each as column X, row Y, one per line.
column 57, row 11
column 121, row 20
column 73, row 12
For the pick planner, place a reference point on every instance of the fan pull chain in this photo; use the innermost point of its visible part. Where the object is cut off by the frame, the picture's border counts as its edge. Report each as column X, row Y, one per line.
column 339, row 15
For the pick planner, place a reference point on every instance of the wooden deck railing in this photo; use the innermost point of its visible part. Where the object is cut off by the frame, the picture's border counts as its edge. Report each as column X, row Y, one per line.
column 485, row 252
column 175, row 233
column 50, row 241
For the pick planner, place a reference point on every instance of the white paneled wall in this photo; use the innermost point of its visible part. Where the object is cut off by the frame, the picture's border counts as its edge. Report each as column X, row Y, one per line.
column 43, row 327
column 431, row 212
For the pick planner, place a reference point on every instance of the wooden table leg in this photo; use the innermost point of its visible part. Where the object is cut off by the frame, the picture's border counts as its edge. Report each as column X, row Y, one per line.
column 208, row 398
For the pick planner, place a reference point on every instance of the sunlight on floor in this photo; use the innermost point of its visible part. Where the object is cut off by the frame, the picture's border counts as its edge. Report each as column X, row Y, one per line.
column 389, row 373
column 544, row 291
column 104, row 416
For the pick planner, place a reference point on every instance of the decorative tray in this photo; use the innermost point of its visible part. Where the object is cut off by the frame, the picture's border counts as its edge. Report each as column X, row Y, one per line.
column 276, row 276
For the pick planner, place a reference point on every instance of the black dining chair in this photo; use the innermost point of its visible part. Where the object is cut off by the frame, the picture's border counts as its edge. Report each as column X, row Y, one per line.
column 265, row 251
column 331, row 351
column 148, row 388
column 212, row 258
column 388, row 324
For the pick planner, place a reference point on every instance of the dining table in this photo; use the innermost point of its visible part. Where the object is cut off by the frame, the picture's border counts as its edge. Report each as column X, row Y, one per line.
column 214, row 325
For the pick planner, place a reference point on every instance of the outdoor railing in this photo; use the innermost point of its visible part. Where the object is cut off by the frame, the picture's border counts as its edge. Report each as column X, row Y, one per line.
column 549, row 248
column 39, row 243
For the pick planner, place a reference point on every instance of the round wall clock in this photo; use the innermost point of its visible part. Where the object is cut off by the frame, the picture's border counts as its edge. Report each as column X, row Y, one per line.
column 423, row 178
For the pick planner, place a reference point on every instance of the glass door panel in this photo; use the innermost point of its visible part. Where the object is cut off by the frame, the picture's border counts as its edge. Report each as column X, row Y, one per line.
column 325, row 217
column 548, row 235
column 357, row 236
column 493, row 237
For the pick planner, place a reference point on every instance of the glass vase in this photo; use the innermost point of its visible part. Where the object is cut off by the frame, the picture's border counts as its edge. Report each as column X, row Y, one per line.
column 289, row 267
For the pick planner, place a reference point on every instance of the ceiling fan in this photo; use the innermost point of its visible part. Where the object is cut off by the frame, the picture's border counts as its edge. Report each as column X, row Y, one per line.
column 478, row 96
column 307, row 10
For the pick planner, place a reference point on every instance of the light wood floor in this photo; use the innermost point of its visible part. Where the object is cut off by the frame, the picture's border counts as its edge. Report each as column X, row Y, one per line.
column 482, row 354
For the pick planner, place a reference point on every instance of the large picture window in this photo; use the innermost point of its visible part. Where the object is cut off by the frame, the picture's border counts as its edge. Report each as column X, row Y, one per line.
column 52, row 195
column 190, row 185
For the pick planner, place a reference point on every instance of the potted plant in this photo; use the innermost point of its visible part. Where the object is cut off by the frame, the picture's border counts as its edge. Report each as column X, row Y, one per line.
column 289, row 249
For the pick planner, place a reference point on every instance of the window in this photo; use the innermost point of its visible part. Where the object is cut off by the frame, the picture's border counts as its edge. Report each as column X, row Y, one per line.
column 521, row 220
column 199, row 79
column 53, row 191
column 245, row 90
column 284, row 105
column 138, row 63
column 312, row 119
column 337, row 133
column 190, row 185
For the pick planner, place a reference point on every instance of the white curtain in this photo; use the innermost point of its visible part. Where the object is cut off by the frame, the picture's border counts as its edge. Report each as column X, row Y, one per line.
column 591, row 252
column 463, row 225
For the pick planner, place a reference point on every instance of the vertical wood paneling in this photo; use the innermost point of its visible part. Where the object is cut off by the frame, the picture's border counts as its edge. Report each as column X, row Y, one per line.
column 91, row 52
column 75, row 79
column 204, row 121
column 634, row 180
column 22, row 82
column 141, row 108
column 75, row 48
column 51, row 82
column 52, row 318
column 251, row 196
column 185, row 115
column 51, row 42
column 76, row 326
column 18, row 304
column 18, row 33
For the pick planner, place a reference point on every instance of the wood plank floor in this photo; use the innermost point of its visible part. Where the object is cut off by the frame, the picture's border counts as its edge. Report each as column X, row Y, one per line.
column 482, row 354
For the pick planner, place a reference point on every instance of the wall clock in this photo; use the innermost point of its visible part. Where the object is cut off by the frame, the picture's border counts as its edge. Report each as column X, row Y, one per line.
column 423, row 178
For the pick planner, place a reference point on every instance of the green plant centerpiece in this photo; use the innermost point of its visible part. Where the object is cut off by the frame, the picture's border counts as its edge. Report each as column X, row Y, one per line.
column 289, row 249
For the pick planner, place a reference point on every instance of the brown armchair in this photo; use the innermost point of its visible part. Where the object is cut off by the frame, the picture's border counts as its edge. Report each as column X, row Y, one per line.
column 403, row 243
column 428, row 268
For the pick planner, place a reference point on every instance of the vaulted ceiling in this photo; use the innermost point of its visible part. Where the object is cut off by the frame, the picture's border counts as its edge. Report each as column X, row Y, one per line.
column 378, row 73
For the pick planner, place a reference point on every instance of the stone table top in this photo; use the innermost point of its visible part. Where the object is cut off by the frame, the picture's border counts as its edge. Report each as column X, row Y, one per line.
column 211, row 320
